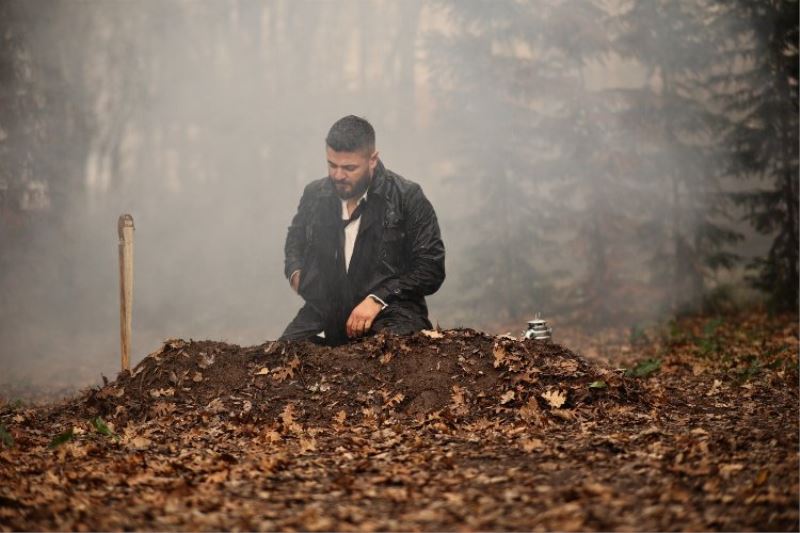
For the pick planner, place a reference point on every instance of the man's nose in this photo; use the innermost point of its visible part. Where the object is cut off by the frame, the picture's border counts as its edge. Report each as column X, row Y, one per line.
column 338, row 174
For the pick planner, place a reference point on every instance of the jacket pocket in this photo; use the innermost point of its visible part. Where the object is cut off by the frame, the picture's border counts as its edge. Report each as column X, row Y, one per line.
column 392, row 244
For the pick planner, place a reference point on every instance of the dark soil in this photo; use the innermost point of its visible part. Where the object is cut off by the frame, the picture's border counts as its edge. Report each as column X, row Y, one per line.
column 445, row 431
column 402, row 376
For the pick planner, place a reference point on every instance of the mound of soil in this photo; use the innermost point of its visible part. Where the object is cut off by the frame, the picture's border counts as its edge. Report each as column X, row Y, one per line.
column 465, row 373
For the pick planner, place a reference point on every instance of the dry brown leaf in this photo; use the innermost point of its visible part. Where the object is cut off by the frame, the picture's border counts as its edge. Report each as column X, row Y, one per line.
column 163, row 409
column 530, row 411
column 263, row 371
column 395, row 400
column 215, row 406
column 555, row 398
column 282, row 373
column 432, row 333
column 508, row 396
column 531, row 445
column 307, row 444
column 287, row 415
column 458, row 398
column 216, row 477
column 500, row 354
column 568, row 365
column 140, row 443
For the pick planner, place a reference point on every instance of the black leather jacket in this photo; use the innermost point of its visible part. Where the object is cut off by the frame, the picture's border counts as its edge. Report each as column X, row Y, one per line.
column 398, row 254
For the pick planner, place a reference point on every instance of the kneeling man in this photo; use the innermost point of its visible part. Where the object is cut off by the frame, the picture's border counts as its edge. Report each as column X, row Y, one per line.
column 364, row 248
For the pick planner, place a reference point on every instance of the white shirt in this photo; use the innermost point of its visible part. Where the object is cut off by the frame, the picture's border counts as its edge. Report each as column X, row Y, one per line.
column 351, row 231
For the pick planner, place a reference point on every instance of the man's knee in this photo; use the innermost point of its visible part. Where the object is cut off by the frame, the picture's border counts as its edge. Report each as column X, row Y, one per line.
column 305, row 326
column 400, row 321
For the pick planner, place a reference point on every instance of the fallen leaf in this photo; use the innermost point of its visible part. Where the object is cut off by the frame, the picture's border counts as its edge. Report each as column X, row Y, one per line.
column 507, row 397
column 500, row 354
column 555, row 398
column 263, row 371
column 140, row 443
column 531, row 445
column 307, row 444
column 432, row 333
column 715, row 387
column 215, row 406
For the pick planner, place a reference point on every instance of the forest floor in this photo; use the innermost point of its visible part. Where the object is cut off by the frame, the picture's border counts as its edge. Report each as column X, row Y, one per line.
column 452, row 430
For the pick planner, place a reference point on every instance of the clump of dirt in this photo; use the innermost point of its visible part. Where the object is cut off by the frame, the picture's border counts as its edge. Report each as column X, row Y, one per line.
column 462, row 372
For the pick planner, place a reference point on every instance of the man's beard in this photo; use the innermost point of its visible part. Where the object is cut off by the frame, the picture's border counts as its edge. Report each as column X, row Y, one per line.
column 356, row 191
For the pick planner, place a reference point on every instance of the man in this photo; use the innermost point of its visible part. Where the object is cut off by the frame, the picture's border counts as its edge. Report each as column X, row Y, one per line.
column 364, row 248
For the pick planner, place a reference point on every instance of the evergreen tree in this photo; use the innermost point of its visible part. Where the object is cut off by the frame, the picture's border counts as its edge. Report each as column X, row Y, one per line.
column 759, row 93
column 483, row 96
column 678, row 153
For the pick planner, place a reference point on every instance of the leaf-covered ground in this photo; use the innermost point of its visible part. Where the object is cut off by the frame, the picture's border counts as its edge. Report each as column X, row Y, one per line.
column 439, row 431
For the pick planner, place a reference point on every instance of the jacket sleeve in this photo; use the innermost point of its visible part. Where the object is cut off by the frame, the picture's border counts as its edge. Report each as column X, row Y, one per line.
column 426, row 272
column 297, row 236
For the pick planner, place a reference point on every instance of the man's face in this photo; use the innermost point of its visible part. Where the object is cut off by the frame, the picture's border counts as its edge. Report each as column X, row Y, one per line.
column 350, row 172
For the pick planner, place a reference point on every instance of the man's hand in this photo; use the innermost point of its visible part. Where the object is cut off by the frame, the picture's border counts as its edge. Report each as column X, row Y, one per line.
column 362, row 316
column 294, row 281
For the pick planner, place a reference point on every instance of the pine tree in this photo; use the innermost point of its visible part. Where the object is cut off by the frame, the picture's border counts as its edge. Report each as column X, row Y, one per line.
column 485, row 91
column 689, row 226
column 759, row 93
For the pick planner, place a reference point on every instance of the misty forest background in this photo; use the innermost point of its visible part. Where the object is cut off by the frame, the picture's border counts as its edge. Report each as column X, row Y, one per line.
column 604, row 163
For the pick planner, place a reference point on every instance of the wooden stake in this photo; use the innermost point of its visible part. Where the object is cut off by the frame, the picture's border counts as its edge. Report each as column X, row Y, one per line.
column 125, row 230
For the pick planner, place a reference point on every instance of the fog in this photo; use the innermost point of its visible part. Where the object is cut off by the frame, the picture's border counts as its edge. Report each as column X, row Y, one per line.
column 205, row 120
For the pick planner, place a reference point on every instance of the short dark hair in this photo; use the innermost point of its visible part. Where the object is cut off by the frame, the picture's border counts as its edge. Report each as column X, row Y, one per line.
column 351, row 134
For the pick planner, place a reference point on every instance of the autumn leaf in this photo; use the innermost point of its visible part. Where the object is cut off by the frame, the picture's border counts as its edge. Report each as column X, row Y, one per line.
column 555, row 398
column 395, row 400
column 530, row 411
column 287, row 417
column 263, row 371
column 140, row 443
column 599, row 384
column 432, row 333
column 206, row 360
column 458, row 399
column 500, row 354
column 215, row 406
column 62, row 438
column 340, row 417
column 163, row 409
column 307, row 444
column 531, row 445
column 507, row 397
column 282, row 373
column 385, row 358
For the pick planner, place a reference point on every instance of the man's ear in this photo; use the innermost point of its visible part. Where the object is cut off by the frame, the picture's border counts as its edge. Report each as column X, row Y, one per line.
column 373, row 161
